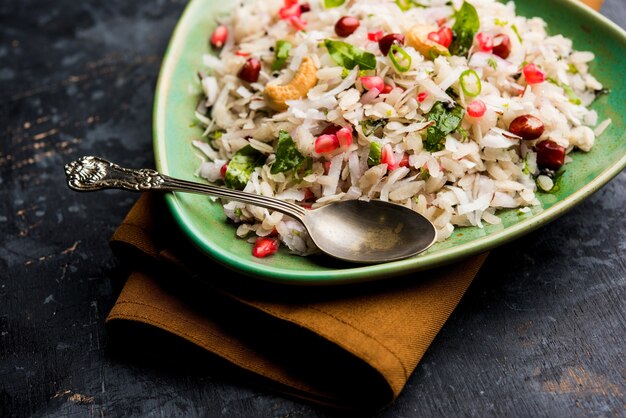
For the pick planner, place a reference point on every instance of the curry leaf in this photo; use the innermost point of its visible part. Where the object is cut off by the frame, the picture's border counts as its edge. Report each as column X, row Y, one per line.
column 241, row 167
column 446, row 121
column 287, row 155
column 349, row 56
column 465, row 27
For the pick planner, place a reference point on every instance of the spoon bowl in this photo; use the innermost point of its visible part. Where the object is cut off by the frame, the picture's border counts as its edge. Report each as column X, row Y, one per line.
column 358, row 231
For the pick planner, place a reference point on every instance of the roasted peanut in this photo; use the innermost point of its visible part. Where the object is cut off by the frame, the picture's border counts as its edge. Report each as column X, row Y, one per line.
column 417, row 37
column 304, row 80
column 527, row 126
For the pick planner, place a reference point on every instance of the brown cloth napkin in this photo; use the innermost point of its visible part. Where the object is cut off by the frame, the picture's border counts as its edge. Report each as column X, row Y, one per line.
column 350, row 346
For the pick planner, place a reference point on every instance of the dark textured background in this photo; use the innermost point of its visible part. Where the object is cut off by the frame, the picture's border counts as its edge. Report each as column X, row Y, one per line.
column 540, row 332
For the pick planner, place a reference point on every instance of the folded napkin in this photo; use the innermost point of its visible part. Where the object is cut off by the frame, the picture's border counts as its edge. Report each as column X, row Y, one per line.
column 351, row 346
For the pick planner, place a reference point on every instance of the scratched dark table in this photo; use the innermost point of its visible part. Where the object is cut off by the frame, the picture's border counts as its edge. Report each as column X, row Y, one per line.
column 540, row 332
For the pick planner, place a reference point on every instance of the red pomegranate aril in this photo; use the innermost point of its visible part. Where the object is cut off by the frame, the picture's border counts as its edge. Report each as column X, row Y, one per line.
column 533, row 74
column 375, row 36
column 442, row 21
column 528, row 127
column 346, row 26
column 386, row 41
column 250, row 70
column 387, row 157
column 550, row 155
column 344, row 135
column 242, row 53
column 433, row 36
column 502, row 46
column 476, row 108
column 297, row 23
column 445, row 36
column 485, row 42
column 387, row 89
column 422, row 96
column 305, row 7
column 219, row 36
column 223, row 170
column 326, row 143
column 308, row 194
column 290, row 11
column 326, row 167
column 264, row 246
column 404, row 162
column 289, row 3
column 373, row 82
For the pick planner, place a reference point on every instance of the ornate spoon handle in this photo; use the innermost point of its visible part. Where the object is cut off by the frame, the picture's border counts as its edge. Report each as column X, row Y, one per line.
column 93, row 173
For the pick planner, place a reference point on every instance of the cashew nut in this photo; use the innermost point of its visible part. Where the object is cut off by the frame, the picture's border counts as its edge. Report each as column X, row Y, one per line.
column 304, row 80
column 417, row 37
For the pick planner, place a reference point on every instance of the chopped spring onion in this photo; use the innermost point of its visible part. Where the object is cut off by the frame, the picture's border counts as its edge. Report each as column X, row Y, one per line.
column 281, row 54
column 470, row 83
column 404, row 64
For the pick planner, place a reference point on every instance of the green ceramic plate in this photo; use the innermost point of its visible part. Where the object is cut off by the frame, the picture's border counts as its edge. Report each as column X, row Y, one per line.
column 204, row 222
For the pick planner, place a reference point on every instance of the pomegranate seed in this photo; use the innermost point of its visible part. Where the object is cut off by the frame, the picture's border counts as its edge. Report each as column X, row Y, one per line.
column 433, row 36
column 289, row 3
column 289, row 11
column 326, row 143
column 242, row 54
column 387, row 157
column 387, row 89
column 404, row 162
column 250, row 70
column 386, row 41
column 533, row 74
column 422, row 96
column 219, row 36
column 223, row 170
column 485, row 42
column 297, row 23
column 527, row 126
column 344, row 135
column 326, row 167
column 346, row 26
column 441, row 22
column 308, row 194
column 445, row 36
column 550, row 155
column 307, row 206
column 476, row 108
column 375, row 36
column 373, row 82
column 502, row 46
column 264, row 246
column 305, row 7
column 274, row 233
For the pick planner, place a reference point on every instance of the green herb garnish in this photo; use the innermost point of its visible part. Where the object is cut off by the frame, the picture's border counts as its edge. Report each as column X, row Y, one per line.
column 349, row 56
column 492, row 63
column 281, row 53
column 241, row 166
column 571, row 68
column 374, row 156
column 465, row 27
column 369, row 126
column 519, row 37
column 499, row 22
column 447, row 120
column 287, row 155
column 569, row 91
column 405, row 5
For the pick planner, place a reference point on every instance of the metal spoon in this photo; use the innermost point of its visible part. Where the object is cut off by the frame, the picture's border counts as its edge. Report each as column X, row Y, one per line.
column 353, row 230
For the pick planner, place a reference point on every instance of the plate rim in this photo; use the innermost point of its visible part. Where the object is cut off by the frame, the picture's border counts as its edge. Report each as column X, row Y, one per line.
column 359, row 273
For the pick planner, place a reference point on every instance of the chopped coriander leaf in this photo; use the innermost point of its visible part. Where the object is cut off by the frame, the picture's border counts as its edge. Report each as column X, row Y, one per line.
column 349, row 56
column 241, row 167
column 499, row 22
column 369, row 126
column 492, row 63
column 446, row 121
column 465, row 27
column 571, row 68
column 287, row 155
column 519, row 37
